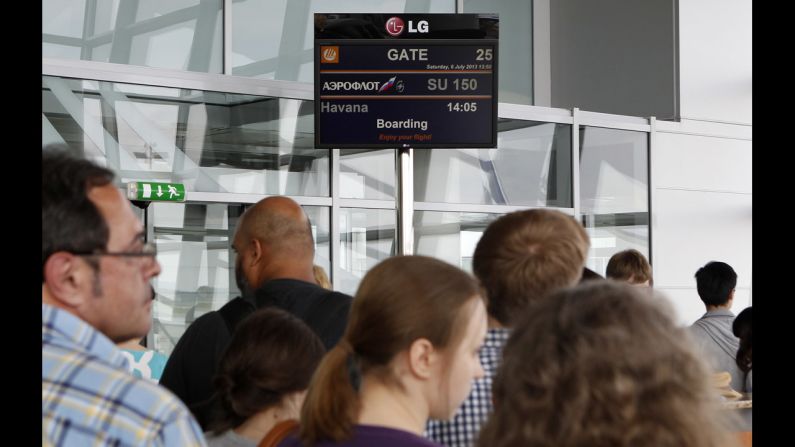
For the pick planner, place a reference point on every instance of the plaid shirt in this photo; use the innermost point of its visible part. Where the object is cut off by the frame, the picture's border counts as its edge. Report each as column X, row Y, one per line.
column 463, row 430
column 88, row 396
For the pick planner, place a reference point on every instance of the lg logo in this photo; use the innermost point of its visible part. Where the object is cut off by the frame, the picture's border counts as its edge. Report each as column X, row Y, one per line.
column 395, row 26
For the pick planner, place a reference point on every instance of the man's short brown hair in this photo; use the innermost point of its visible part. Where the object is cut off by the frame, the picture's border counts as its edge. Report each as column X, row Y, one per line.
column 629, row 265
column 524, row 255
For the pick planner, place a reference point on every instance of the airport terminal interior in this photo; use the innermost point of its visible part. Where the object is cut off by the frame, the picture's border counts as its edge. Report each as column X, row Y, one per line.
column 218, row 95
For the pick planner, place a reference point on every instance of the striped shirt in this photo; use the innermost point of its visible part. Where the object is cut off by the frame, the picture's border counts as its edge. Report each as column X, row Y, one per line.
column 88, row 396
column 463, row 429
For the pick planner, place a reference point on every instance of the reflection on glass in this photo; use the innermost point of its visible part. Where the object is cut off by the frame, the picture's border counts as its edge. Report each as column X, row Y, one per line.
column 531, row 166
column 367, row 236
column 450, row 236
column 63, row 18
column 614, row 192
column 209, row 141
column 59, row 51
column 367, row 174
column 609, row 239
column 278, row 44
column 177, row 34
column 198, row 264
column 193, row 244
column 516, row 47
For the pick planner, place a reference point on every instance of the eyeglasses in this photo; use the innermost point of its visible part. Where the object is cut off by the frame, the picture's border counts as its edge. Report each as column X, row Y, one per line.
column 149, row 250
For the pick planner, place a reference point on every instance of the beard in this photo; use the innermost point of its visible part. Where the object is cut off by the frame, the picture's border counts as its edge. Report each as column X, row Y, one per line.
column 240, row 279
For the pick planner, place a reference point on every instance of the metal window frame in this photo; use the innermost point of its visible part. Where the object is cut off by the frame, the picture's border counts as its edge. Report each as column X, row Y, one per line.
column 404, row 204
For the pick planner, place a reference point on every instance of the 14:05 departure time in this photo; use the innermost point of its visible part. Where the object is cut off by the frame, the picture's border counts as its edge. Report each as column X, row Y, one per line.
column 462, row 106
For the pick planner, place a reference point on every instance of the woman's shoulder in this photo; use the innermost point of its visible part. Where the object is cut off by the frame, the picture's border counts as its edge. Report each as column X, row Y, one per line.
column 370, row 435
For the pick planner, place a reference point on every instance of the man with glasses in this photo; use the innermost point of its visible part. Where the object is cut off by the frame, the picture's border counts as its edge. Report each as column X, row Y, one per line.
column 96, row 269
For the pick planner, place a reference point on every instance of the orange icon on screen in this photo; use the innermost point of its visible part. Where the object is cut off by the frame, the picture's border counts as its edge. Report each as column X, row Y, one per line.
column 329, row 54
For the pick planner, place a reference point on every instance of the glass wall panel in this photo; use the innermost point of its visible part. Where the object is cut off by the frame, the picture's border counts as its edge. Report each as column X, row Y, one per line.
column 60, row 51
column 367, row 236
column 177, row 34
column 531, row 166
column 63, row 18
column 210, row 141
column 450, row 236
column 273, row 39
column 614, row 192
column 367, row 174
column 515, row 60
column 194, row 251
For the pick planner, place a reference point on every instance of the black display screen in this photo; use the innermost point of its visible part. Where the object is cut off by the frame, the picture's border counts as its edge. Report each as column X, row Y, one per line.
column 420, row 81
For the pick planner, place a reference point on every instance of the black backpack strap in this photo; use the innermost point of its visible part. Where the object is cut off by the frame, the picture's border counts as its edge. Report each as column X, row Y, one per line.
column 234, row 312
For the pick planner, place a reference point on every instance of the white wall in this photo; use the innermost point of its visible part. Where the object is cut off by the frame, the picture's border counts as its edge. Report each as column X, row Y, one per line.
column 701, row 166
column 715, row 60
column 701, row 208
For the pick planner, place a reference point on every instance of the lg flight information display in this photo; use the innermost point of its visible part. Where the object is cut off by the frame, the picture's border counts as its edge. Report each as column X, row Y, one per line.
column 408, row 80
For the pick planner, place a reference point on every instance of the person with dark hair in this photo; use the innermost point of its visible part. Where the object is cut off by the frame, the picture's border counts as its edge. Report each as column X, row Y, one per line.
column 589, row 275
column 712, row 333
column 716, row 283
column 410, row 352
column 95, row 291
column 273, row 268
column 262, row 379
column 603, row 364
column 742, row 328
column 521, row 258
column 629, row 266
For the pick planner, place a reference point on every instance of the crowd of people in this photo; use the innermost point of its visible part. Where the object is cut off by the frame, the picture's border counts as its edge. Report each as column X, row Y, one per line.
column 533, row 349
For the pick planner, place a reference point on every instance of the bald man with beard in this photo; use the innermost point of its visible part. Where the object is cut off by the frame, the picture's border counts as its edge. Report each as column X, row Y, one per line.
column 273, row 268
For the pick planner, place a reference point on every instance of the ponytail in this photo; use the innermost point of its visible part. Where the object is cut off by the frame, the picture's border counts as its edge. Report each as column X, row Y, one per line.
column 332, row 404
column 400, row 300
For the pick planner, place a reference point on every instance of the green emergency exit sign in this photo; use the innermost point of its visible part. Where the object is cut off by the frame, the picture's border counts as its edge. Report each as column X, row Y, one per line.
column 162, row 192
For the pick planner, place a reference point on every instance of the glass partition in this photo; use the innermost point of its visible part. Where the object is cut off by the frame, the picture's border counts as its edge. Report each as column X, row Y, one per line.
column 531, row 166
column 177, row 34
column 198, row 265
column 515, row 58
column 367, row 174
column 367, row 236
column 450, row 236
column 209, row 141
column 278, row 44
column 614, row 192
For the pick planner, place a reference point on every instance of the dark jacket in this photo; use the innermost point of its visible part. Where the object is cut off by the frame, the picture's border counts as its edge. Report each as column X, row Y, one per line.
column 194, row 361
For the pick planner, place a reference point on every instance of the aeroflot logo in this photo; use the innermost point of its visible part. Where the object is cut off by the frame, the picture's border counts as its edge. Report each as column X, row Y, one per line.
column 329, row 54
column 391, row 84
column 395, row 26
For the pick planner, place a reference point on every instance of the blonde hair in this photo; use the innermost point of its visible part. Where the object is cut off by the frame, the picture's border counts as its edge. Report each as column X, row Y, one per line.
column 524, row 255
column 320, row 277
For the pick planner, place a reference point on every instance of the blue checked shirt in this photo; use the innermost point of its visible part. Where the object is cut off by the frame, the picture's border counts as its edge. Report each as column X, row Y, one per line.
column 88, row 396
column 463, row 429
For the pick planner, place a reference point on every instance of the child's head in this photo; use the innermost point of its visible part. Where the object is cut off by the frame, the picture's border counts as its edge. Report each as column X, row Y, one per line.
column 268, row 363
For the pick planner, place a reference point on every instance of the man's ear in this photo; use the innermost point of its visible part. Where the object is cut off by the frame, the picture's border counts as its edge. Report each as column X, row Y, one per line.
column 423, row 358
column 65, row 277
column 257, row 251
